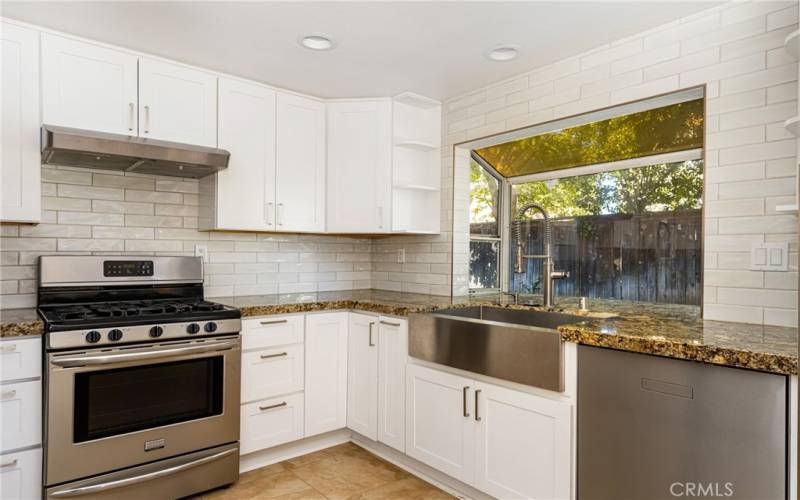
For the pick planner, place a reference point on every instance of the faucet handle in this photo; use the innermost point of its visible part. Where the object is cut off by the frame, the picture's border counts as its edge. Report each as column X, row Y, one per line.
column 558, row 275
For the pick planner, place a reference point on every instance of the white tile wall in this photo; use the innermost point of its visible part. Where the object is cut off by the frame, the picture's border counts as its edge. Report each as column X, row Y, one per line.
column 736, row 50
column 97, row 212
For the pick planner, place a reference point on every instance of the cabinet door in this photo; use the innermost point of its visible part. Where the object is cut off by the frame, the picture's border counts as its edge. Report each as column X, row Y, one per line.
column 177, row 103
column 440, row 431
column 21, row 414
column 362, row 375
column 21, row 358
column 523, row 444
column 392, row 355
column 326, row 372
column 269, row 331
column 359, row 166
column 87, row 86
column 300, row 166
column 20, row 159
column 21, row 475
column 268, row 373
column 246, row 189
column 271, row 422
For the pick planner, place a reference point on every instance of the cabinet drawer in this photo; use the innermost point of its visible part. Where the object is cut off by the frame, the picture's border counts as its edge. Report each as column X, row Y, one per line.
column 268, row 373
column 21, row 474
column 271, row 422
column 20, row 358
column 21, row 414
column 271, row 331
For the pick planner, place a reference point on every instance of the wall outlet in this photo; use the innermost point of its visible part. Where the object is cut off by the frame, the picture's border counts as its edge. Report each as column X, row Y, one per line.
column 201, row 251
column 401, row 256
column 769, row 257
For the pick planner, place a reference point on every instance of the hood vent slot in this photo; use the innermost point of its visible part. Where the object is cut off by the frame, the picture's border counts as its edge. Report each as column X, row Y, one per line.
column 84, row 148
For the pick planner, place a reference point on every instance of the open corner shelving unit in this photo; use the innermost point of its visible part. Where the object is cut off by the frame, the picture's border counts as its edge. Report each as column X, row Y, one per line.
column 416, row 164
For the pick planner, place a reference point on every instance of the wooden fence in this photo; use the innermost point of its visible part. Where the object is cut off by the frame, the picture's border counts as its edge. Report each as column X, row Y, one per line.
column 653, row 257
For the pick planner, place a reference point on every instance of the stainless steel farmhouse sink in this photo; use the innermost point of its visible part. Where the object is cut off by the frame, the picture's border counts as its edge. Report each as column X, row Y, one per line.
column 517, row 345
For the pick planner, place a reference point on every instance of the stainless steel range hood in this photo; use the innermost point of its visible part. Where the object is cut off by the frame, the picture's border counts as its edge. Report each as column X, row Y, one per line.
column 84, row 148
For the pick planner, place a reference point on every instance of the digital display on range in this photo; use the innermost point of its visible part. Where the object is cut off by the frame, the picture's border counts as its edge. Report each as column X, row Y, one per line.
column 124, row 268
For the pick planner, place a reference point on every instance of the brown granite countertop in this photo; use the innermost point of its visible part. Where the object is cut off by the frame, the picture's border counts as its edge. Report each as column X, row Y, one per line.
column 20, row 323
column 663, row 330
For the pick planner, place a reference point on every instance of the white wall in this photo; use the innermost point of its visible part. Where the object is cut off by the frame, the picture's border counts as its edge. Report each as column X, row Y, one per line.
column 736, row 50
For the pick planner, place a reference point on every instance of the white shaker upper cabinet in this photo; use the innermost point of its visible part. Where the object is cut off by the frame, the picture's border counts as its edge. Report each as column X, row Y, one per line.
column 20, row 160
column 300, row 166
column 88, row 86
column 177, row 103
column 245, row 191
column 359, row 166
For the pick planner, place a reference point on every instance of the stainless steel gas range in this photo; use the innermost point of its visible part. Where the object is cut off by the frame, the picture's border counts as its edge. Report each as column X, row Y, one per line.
column 142, row 379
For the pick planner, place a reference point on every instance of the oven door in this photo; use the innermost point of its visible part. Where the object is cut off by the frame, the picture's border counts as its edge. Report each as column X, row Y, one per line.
column 116, row 408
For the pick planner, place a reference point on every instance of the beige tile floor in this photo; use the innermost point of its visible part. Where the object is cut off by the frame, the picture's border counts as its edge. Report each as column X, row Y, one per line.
column 342, row 472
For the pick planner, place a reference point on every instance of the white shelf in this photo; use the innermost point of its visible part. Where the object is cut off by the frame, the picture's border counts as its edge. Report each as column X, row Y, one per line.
column 786, row 208
column 793, row 125
column 416, row 145
column 792, row 44
column 416, row 100
column 414, row 231
column 417, row 187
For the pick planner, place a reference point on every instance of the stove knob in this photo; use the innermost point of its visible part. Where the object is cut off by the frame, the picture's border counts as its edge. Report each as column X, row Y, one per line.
column 93, row 336
column 192, row 328
column 210, row 327
column 156, row 331
column 115, row 334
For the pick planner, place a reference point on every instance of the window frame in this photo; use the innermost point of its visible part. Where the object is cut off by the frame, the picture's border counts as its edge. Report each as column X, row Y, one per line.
column 503, row 206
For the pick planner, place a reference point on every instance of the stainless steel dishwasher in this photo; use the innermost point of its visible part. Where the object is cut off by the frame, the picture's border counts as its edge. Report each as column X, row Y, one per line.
column 652, row 428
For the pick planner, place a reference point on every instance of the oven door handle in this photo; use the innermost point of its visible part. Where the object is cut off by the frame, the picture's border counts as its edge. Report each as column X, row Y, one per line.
column 108, row 359
column 119, row 483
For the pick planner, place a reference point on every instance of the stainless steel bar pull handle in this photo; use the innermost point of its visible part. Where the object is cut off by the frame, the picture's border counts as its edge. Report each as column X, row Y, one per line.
column 108, row 359
column 8, row 394
column 280, row 214
column 371, row 324
column 380, row 217
column 272, row 407
column 464, row 400
column 477, row 418
column 8, row 348
column 389, row 323
column 147, row 119
column 274, row 321
column 130, row 116
column 10, row 464
column 268, row 356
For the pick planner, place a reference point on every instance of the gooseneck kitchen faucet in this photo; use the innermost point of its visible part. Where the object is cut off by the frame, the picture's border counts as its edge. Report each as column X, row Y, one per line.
column 548, row 274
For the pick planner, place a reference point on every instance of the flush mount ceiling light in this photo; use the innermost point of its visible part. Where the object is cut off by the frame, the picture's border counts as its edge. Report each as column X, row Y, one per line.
column 503, row 53
column 317, row 41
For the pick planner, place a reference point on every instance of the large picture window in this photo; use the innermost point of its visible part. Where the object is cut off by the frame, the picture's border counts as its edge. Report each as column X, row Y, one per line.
column 623, row 188
column 484, row 229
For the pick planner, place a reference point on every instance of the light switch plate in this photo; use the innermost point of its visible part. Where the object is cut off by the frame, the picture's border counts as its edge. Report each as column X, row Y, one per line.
column 769, row 257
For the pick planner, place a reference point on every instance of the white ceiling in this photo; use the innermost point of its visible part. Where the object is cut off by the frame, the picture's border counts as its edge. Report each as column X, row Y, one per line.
column 433, row 48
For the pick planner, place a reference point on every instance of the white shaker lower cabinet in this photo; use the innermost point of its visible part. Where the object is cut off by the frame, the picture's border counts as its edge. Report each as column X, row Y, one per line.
column 21, row 475
column 439, row 427
column 20, row 157
column 506, row 443
column 392, row 358
column 267, row 372
column 271, row 422
column 362, row 375
column 522, row 449
column 326, row 372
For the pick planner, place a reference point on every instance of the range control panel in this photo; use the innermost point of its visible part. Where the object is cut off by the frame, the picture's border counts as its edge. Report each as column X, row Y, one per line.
column 124, row 268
